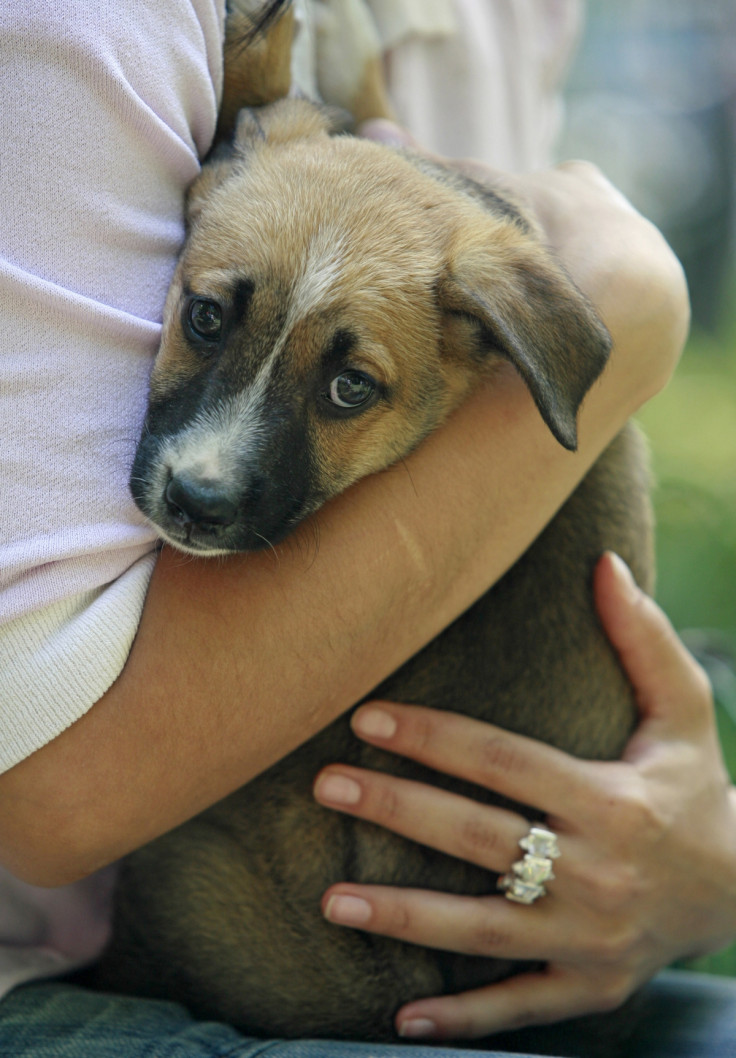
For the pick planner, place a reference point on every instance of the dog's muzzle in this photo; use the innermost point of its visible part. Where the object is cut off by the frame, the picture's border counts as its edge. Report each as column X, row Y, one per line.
column 200, row 502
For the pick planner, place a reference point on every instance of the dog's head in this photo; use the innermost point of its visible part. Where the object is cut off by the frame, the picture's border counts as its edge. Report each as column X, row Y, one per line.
column 334, row 301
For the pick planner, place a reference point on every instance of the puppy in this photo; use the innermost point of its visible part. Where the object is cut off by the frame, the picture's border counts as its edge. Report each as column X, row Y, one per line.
column 335, row 300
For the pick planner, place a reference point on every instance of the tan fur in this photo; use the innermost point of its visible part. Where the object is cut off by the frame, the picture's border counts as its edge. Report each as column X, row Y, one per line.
column 258, row 73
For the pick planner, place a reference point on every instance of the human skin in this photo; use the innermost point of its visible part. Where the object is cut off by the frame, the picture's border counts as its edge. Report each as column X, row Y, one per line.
column 647, row 872
column 237, row 661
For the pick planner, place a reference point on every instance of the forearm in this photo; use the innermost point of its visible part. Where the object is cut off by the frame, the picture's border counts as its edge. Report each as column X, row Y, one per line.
column 236, row 662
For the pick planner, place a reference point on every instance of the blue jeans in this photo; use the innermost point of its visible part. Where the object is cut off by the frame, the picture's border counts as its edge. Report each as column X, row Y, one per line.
column 681, row 1015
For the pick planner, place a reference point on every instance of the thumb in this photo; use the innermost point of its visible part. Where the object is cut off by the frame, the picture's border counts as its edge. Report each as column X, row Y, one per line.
column 669, row 685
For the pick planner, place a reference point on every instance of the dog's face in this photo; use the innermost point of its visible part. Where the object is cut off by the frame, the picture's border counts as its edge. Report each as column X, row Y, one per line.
column 335, row 300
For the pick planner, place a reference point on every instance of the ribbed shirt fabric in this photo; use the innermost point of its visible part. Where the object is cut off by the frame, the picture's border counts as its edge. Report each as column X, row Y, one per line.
column 107, row 108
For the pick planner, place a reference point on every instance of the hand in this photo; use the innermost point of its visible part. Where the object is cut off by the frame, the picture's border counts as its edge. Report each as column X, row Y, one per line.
column 647, row 871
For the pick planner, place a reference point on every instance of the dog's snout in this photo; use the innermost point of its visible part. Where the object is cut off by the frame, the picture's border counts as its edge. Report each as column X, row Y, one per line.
column 200, row 501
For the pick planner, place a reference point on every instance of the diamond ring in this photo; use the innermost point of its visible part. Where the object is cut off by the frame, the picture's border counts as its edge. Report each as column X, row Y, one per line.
column 525, row 881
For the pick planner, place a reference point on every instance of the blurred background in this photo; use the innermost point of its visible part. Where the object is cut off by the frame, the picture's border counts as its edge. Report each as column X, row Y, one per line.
column 652, row 100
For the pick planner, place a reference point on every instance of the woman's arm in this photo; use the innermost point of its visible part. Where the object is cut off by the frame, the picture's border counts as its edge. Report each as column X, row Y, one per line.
column 647, row 872
column 238, row 661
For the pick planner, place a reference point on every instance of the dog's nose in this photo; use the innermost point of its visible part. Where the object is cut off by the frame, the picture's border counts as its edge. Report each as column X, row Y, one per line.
column 199, row 501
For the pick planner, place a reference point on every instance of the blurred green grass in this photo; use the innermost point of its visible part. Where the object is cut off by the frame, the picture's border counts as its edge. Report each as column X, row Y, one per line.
column 691, row 427
column 692, row 431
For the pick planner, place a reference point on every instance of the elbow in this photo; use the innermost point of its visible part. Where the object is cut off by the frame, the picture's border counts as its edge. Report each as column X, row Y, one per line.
column 671, row 303
column 659, row 322
column 48, row 848
column 46, row 867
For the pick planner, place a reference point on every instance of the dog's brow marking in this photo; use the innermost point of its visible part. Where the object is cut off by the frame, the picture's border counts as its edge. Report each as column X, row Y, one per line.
column 315, row 284
column 313, row 287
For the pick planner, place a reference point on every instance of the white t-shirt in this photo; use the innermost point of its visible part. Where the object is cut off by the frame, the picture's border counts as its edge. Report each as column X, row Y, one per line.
column 107, row 109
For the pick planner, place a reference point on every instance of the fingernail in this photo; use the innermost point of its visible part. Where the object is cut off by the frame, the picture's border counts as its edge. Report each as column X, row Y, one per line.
column 415, row 1027
column 348, row 911
column 337, row 790
column 624, row 576
column 374, row 723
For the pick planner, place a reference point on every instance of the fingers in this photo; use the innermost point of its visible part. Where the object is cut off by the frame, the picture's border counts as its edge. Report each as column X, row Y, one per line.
column 529, row 999
column 489, row 926
column 488, row 837
column 594, row 877
column 668, row 682
column 517, row 767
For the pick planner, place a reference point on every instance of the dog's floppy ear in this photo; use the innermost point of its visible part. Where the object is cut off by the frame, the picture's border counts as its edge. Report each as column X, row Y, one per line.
column 530, row 312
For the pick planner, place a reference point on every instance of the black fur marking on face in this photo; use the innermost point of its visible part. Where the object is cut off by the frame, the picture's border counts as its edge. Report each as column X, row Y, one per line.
column 343, row 342
column 337, row 355
column 242, row 296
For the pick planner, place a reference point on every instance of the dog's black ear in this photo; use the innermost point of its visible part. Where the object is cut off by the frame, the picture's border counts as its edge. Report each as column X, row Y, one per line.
column 219, row 165
column 282, row 121
column 529, row 311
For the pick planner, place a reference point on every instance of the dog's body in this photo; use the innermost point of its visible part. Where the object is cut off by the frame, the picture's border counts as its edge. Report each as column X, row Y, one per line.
column 321, row 323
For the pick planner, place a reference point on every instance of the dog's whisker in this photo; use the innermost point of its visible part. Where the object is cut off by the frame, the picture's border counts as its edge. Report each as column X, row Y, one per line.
column 315, row 534
column 405, row 465
column 268, row 542
column 308, row 541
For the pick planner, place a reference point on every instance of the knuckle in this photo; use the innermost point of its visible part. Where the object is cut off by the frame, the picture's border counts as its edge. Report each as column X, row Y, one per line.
column 640, row 817
column 496, row 755
column 612, row 992
column 612, row 946
column 421, row 731
column 461, row 1020
column 385, row 803
column 398, row 920
column 476, row 839
column 525, row 1015
column 612, row 890
column 627, row 814
column 487, row 939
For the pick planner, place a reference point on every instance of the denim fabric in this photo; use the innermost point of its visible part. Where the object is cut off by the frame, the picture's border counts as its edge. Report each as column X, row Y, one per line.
column 57, row 1020
column 680, row 1015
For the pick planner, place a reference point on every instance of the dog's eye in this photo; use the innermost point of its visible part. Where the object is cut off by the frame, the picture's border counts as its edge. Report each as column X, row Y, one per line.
column 205, row 319
column 351, row 389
